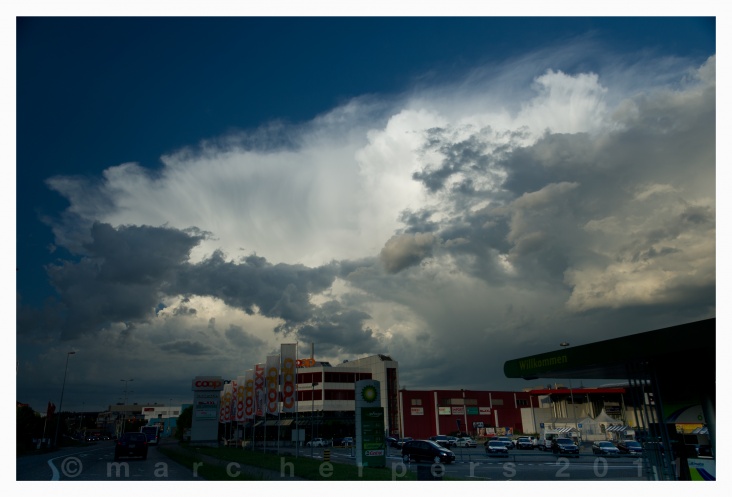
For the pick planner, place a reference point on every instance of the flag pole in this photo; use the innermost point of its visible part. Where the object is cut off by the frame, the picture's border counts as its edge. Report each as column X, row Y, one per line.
column 279, row 408
column 297, row 406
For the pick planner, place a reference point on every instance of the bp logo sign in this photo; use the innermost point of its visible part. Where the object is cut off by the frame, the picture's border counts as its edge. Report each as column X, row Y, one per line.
column 369, row 393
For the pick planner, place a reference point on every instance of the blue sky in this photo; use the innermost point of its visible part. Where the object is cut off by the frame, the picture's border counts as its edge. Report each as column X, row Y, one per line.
column 454, row 192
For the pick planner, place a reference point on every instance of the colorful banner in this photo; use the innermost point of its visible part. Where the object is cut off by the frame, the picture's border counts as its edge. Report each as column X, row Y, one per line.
column 249, row 394
column 260, row 402
column 232, row 416
column 288, row 352
column 239, row 398
column 225, row 405
column 272, row 378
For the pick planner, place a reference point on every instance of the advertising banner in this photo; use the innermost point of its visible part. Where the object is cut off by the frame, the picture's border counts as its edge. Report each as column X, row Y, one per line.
column 484, row 411
column 232, row 416
column 417, row 411
column 458, row 409
column 272, row 384
column 260, row 403
column 372, row 434
column 206, row 406
column 249, row 394
column 202, row 383
column 288, row 353
column 444, row 411
column 239, row 398
column 703, row 469
column 225, row 408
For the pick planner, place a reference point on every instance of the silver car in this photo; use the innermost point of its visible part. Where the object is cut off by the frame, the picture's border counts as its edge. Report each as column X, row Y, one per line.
column 496, row 448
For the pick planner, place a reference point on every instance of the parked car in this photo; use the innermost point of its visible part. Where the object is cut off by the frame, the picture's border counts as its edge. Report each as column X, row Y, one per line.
column 317, row 442
column 630, row 447
column 496, row 448
column 524, row 443
column 343, row 442
column 565, row 446
column 605, row 448
column 131, row 445
column 426, row 450
column 452, row 441
column 506, row 441
column 466, row 442
column 392, row 441
column 443, row 440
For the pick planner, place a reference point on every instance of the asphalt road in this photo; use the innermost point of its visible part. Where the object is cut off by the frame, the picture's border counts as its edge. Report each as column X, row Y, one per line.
column 96, row 463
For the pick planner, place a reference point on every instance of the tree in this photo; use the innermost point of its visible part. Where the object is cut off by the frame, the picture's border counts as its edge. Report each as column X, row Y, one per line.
column 28, row 425
column 184, row 422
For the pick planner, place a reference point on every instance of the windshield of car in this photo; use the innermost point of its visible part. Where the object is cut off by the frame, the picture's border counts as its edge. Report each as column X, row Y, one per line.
column 524, row 439
column 435, row 444
column 563, row 441
column 605, row 444
column 495, row 443
column 633, row 444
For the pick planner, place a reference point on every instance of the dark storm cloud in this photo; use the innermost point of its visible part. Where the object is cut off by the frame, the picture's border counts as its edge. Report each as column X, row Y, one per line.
column 120, row 276
column 126, row 271
column 337, row 330
column 403, row 251
column 186, row 347
column 241, row 339
column 254, row 285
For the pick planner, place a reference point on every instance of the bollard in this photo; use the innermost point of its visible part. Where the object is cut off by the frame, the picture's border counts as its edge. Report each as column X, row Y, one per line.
column 326, row 455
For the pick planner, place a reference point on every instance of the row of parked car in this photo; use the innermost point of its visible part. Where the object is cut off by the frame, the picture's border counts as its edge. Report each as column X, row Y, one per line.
column 327, row 442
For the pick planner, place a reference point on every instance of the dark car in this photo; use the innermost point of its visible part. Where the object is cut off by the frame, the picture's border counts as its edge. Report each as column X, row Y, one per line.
column 630, row 447
column 426, row 450
column 524, row 443
column 565, row 446
column 392, row 442
column 605, row 448
column 131, row 445
column 496, row 448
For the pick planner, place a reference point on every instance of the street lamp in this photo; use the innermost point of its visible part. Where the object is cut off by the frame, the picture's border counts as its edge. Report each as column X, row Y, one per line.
column 60, row 404
column 571, row 394
column 124, row 406
column 312, row 416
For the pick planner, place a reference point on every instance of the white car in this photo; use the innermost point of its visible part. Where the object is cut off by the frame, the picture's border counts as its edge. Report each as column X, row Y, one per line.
column 466, row 442
column 317, row 442
column 507, row 442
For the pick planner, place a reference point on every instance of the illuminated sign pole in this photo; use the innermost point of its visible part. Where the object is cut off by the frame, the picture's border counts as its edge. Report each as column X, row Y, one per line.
column 206, row 403
column 370, row 443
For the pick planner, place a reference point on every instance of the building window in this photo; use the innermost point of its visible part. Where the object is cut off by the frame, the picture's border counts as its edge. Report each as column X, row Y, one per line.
column 416, row 402
column 497, row 402
column 522, row 402
column 340, row 394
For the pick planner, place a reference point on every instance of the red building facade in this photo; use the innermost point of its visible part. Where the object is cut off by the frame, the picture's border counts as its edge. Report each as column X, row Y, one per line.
column 425, row 413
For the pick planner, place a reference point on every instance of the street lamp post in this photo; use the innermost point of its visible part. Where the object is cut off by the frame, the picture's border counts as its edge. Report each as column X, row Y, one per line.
column 571, row 394
column 124, row 406
column 312, row 416
column 61, row 403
